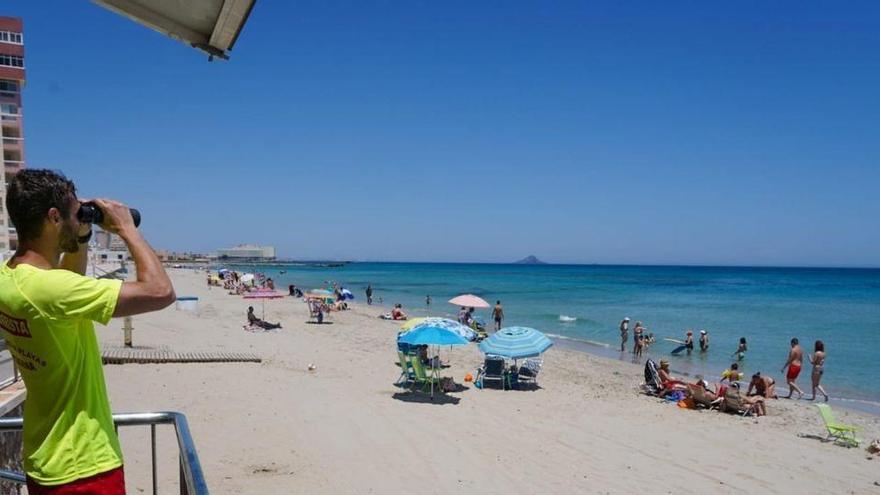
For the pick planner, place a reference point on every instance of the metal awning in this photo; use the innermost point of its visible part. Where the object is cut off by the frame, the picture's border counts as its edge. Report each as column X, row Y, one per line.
column 209, row 25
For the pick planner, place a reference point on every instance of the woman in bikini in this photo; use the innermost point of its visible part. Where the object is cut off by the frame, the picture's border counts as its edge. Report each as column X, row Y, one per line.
column 817, row 359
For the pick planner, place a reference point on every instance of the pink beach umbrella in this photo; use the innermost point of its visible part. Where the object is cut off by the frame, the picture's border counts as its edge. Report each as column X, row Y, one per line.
column 263, row 294
column 469, row 301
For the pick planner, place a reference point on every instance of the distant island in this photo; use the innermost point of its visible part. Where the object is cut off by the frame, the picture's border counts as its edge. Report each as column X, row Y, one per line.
column 530, row 260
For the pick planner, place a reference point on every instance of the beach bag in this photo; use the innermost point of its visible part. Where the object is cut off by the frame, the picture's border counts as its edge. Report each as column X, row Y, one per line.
column 874, row 448
column 447, row 384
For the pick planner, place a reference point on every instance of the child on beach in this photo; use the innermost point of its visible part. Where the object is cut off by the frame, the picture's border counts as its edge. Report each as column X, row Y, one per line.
column 732, row 374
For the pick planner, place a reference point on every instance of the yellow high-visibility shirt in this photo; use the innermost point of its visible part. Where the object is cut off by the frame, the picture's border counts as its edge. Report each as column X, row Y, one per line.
column 46, row 318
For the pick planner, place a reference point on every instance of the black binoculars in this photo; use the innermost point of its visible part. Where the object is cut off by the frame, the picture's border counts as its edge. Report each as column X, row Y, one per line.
column 91, row 213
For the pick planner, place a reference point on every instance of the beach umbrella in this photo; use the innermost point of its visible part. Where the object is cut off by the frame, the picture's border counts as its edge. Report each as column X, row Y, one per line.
column 262, row 295
column 247, row 277
column 463, row 331
column 428, row 334
column 346, row 294
column 516, row 343
column 469, row 301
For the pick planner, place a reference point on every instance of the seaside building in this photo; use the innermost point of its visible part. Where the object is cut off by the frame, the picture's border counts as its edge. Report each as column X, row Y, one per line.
column 247, row 252
column 12, row 80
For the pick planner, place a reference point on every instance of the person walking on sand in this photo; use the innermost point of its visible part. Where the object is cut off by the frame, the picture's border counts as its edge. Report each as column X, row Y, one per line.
column 47, row 310
column 624, row 333
column 794, row 363
column 498, row 315
column 817, row 359
column 369, row 294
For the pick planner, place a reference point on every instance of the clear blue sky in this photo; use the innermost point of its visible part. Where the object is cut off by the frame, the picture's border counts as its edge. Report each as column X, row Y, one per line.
column 666, row 132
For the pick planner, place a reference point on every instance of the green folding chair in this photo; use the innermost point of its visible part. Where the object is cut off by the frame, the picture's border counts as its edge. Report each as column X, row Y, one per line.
column 422, row 377
column 406, row 369
column 839, row 432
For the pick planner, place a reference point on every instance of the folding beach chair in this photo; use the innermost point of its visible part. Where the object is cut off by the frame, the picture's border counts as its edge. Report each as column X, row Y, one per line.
column 838, row 432
column 733, row 402
column 406, row 369
column 652, row 385
column 421, row 377
column 702, row 397
column 529, row 370
column 493, row 369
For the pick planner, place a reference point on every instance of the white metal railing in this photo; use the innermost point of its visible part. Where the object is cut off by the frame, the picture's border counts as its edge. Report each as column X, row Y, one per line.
column 192, row 479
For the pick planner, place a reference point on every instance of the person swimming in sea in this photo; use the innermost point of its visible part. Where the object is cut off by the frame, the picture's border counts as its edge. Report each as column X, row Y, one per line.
column 741, row 349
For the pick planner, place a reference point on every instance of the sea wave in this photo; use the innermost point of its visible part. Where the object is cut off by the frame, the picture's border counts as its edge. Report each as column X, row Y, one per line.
column 567, row 319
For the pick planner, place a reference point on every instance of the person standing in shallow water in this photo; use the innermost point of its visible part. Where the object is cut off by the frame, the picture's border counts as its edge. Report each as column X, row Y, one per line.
column 704, row 341
column 624, row 333
column 498, row 315
column 794, row 363
column 369, row 294
column 817, row 359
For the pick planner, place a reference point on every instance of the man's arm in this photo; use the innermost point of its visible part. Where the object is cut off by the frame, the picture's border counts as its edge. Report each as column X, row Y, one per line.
column 152, row 290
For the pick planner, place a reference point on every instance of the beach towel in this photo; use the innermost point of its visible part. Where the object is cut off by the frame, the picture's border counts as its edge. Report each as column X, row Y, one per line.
column 652, row 378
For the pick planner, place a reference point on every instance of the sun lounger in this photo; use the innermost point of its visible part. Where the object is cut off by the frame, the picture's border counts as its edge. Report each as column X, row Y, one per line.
column 529, row 370
column 838, row 432
column 493, row 369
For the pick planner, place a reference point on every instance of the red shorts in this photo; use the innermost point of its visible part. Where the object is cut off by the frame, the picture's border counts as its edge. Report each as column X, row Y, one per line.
column 107, row 483
column 793, row 371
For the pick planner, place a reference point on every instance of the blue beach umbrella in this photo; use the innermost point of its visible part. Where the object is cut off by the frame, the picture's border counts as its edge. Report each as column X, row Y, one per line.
column 428, row 334
column 516, row 343
column 464, row 331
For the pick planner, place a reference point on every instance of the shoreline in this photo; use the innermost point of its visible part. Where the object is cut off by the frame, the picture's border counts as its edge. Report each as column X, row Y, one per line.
column 607, row 351
column 344, row 427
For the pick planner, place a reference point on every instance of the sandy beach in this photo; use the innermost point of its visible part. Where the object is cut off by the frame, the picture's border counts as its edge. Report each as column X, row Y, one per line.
column 276, row 427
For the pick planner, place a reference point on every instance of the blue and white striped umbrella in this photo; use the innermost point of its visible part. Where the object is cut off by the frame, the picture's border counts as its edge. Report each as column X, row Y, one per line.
column 516, row 343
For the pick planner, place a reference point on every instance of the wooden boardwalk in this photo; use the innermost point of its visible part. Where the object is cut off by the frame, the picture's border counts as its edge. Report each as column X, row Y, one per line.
column 124, row 355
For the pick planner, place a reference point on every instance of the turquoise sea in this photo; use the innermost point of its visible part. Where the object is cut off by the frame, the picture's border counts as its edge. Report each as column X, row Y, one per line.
column 768, row 306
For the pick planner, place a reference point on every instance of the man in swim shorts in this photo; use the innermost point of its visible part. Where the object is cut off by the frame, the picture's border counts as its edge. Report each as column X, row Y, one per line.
column 794, row 363
column 498, row 315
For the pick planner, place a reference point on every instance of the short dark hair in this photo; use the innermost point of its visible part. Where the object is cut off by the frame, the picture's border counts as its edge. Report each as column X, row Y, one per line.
column 794, row 341
column 734, row 366
column 30, row 195
column 820, row 346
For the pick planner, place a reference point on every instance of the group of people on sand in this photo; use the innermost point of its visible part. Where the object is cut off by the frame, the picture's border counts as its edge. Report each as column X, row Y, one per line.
column 760, row 387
